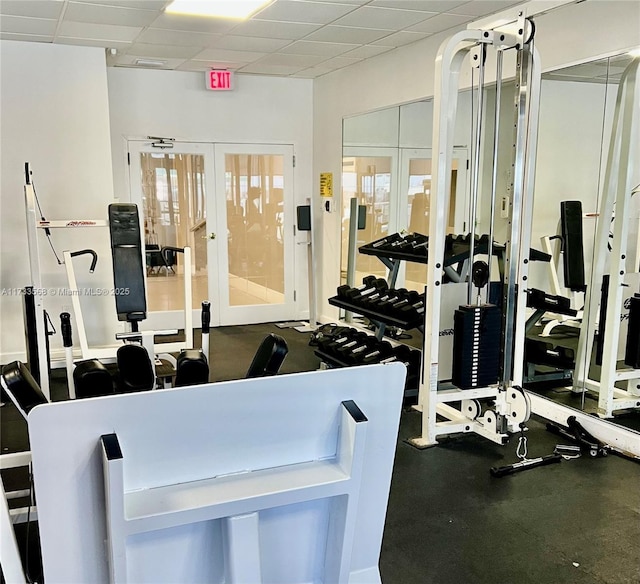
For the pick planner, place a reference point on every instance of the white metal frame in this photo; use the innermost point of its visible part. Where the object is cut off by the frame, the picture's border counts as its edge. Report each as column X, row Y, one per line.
column 511, row 404
column 35, row 223
column 618, row 187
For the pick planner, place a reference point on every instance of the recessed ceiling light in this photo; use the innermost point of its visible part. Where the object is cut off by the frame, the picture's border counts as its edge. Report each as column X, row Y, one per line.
column 239, row 9
column 149, row 63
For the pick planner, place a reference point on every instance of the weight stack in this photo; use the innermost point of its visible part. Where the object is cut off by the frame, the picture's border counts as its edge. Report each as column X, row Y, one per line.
column 632, row 352
column 476, row 346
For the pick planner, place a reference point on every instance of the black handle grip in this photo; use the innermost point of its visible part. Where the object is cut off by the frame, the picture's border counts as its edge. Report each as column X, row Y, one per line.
column 65, row 329
column 27, row 174
column 165, row 252
column 503, row 471
column 93, row 254
column 206, row 316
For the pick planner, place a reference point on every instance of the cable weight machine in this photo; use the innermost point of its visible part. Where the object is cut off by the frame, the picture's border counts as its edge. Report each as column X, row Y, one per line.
column 447, row 409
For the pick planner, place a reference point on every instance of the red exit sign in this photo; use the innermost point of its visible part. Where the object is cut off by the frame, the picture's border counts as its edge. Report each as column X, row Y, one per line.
column 219, row 80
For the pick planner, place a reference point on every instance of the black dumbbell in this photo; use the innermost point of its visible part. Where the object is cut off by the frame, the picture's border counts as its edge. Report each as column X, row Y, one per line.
column 366, row 281
column 380, row 351
column 355, row 294
column 332, row 345
column 352, row 342
column 355, row 354
column 410, row 357
column 386, row 241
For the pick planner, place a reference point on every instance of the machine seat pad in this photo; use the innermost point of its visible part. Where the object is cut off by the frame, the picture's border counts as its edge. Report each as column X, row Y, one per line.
column 191, row 368
column 135, row 370
column 92, row 379
column 22, row 388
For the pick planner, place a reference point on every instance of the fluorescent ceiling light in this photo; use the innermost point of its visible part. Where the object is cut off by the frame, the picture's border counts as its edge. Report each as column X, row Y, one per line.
column 239, row 9
column 634, row 52
column 150, row 63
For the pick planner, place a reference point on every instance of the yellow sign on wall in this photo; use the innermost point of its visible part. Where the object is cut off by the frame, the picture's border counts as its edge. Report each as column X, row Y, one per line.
column 326, row 184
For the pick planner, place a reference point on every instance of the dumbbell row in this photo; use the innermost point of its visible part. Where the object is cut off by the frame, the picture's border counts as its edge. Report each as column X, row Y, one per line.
column 410, row 243
column 400, row 303
column 358, row 348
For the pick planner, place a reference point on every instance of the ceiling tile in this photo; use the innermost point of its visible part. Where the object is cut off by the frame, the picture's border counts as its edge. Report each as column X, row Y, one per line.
column 142, row 4
column 315, row 48
column 366, row 51
column 24, row 25
column 244, row 43
column 86, row 30
column 38, row 8
column 310, row 73
column 83, row 12
column 36, row 38
column 226, row 55
column 279, row 70
column 388, row 18
column 345, row 34
column 159, row 36
column 440, row 23
column 339, row 62
column 193, row 23
column 119, row 45
column 163, row 51
column 299, row 61
column 297, row 11
column 277, row 30
column 434, row 6
column 483, row 8
column 356, row 2
column 399, row 39
column 196, row 65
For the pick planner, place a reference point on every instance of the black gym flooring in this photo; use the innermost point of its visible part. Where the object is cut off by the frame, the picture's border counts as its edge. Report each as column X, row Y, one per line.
column 448, row 521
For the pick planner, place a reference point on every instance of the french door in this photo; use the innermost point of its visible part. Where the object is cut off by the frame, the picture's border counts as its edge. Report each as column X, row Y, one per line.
column 233, row 206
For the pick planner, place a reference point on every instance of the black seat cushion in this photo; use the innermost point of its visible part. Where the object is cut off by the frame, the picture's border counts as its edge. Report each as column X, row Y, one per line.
column 191, row 368
column 135, row 370
column 21, row 387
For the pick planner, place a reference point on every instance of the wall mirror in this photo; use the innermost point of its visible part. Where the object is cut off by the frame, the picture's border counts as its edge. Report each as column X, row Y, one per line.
column 577, row 118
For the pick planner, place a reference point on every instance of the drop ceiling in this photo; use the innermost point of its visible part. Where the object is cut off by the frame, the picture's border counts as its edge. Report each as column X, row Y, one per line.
column 296, row 38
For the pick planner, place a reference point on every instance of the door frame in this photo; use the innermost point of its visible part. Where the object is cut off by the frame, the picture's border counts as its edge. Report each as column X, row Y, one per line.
column 247, row 314
column 174, row 319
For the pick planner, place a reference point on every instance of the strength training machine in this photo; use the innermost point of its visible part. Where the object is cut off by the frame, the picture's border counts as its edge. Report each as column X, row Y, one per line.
column 486, row 395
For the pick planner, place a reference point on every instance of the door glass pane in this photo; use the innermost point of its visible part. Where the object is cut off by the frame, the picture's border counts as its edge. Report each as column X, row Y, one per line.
column 174, row 215
column 419, row 192
column 369, row 179
column 254, row 188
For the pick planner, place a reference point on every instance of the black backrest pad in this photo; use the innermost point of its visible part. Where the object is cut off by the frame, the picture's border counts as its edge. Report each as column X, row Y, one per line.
column 22, row 387
column 92, row 379
column 268, row 357
column 135, row 369
column 573, row 257
column 128, row 268
column 191, row 368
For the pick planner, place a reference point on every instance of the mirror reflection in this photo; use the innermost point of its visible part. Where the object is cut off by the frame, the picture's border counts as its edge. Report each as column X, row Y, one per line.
column 387, row 167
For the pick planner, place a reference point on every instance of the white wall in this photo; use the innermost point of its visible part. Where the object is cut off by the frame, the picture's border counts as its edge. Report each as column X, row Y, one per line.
column 54, row 115
column 175, row 104
column 573, row 33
